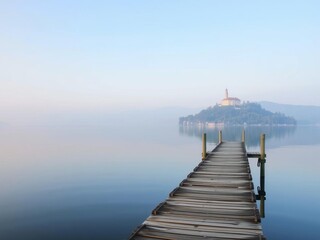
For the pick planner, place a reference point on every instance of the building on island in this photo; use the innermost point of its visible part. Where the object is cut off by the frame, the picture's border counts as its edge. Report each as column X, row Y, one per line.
column 230, row 101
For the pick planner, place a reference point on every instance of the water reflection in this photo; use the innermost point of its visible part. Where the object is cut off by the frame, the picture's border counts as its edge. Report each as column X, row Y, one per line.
column 234, row 133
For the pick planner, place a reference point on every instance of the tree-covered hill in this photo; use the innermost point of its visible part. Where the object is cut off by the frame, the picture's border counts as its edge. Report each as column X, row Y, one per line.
column 247, row 113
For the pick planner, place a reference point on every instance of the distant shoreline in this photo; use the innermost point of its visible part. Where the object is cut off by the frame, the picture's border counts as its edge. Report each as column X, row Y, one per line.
column 217, row 125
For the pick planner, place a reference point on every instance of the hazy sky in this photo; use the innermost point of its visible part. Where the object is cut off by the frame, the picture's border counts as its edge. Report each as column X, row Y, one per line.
column 156, row 53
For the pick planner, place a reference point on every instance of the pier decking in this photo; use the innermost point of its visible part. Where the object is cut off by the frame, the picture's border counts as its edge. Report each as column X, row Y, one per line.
column 215, row 201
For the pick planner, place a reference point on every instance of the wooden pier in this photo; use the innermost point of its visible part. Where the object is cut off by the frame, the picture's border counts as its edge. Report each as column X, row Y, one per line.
column 215, row 201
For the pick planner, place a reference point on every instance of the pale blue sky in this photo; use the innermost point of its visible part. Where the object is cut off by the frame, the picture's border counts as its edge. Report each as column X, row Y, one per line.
column 155, row 53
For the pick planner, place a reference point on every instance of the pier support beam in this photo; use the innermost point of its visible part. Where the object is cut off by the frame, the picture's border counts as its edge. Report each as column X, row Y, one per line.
column 220, row 136
column 262, row 161
column 204, row 146
column 243, row 136
column 263, row 146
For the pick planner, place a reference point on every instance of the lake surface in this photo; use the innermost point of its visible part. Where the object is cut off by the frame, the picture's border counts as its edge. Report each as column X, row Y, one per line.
column 102, row 181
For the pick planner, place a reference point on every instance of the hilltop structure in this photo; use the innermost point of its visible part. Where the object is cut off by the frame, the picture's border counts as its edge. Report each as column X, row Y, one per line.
column 230, row 101
column 231, row 112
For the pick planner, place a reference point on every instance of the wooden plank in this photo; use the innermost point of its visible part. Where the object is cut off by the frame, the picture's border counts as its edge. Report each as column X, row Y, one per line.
column 152, row 232
column 209, row 205
column 212, row 202
column 201, row 211
column 217, row 183
column 199, row 226
column 219, row 176
column 208, row 222
column 215, row 190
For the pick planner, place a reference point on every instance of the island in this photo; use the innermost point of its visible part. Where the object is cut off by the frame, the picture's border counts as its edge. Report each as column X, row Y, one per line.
column 232, row 112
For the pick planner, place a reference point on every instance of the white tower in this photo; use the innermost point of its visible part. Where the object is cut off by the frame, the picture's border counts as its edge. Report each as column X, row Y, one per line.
column 226, row 94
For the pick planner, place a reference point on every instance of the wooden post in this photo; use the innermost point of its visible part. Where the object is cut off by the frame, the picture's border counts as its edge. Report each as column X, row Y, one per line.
column 243, row 137
column 262, row 160
column 220, row 136
column 204, row 146
column 262, row 146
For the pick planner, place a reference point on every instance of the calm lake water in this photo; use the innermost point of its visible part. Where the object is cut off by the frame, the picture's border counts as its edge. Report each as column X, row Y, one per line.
column 102, row 181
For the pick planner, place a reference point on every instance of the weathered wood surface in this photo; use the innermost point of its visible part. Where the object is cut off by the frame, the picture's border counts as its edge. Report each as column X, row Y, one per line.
column 215, row 201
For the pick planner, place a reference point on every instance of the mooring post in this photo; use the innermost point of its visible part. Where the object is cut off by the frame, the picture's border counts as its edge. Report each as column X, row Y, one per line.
column 204, row 146
column 243, row 137
column 262, row 161
column 220, row 136
column 263, row 146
